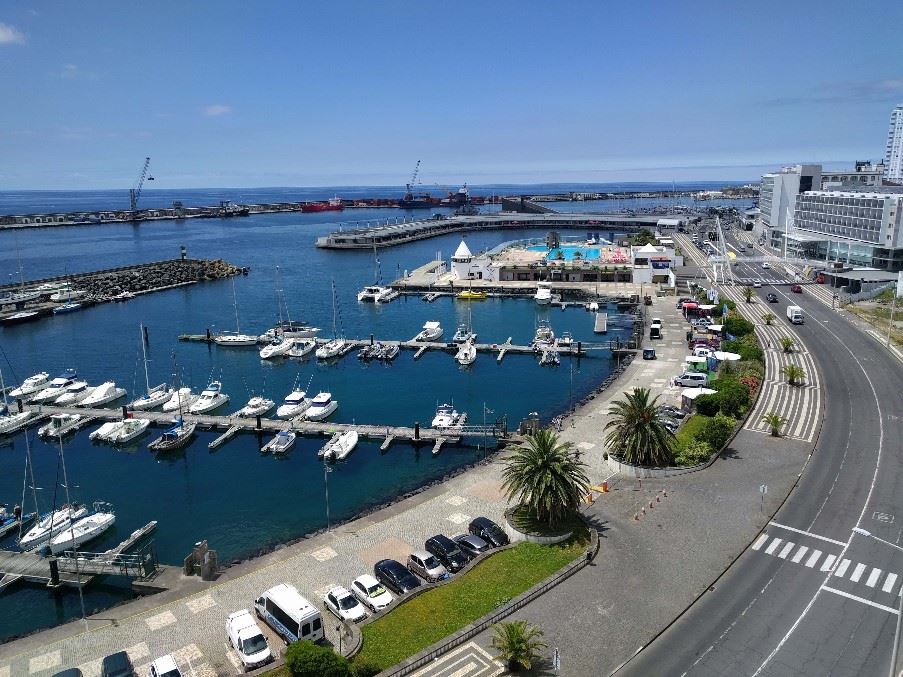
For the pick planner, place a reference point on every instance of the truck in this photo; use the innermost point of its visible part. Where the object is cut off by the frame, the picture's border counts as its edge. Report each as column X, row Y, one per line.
column 247, row 640
column 795, row 314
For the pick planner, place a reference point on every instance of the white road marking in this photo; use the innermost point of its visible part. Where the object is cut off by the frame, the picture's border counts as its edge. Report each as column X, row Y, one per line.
column 857, row 572
column 828, row 563
column 860, row 599
column 773, row 546
column 798, row 555
column 889, row 583
column 760, row 541
column 786, row 550
column 873, row 578
column 842, row 569
column 813, row 558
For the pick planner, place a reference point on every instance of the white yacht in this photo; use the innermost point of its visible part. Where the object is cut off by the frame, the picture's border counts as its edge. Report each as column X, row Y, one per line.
column 432, row 331
column 321, row 407
column 13, row 422
column 104, row 431
column 293, row 405
column 544, row 334
column 86, row 529
column 373, row 294
column 281, row 443
column 181, row 399
column 73, row 394
column 130, row 429
column 233, row 340
column 211, row 397
column 463, row 334
column 447, row 417
column 256, row 406
column 68, row 295
column 302, row 347
column 543, row 295
column 59, row 425
column 278, row 347
column 31, row 385
column 341, row 445
column 289, row 329
column 56, row 387
column 332, row 349
column 51, row 524
column 103, row 394
column 153, row 398
column 467, row 353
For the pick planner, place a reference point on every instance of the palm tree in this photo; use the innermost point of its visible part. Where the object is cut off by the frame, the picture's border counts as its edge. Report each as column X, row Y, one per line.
column 636, row 430
column 769, row 318
column 748, row 294
column 775, row 422
column 787, row 344
column 546, row 477
column 518, row 644
column 795, row 374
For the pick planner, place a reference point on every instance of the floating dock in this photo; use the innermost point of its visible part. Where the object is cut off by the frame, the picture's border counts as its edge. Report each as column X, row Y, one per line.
column 600, row 323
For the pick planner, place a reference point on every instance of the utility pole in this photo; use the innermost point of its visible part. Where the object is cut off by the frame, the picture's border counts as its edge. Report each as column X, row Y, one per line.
column 893, row 309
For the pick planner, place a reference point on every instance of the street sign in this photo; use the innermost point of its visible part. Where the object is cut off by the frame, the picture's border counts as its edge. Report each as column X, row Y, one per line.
column 556, row 660
column 763, row 488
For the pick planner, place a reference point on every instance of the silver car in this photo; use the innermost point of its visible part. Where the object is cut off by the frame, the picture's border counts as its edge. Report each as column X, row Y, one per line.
column 427, row 566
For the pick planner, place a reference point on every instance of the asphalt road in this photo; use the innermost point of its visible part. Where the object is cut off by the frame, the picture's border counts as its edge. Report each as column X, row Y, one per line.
column 809, row 597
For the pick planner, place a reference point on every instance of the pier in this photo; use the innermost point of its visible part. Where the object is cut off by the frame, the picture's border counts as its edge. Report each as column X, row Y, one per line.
column 600, row 323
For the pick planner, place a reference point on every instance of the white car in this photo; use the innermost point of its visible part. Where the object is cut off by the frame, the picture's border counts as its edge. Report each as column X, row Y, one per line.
column 165, row 666
column 344, row 605
column 766, row 265
column 247, row 640
column 371, row 592
column 757, row 284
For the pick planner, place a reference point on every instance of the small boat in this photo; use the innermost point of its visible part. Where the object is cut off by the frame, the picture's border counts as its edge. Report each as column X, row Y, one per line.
column 102, row 394
column 174, row 438
column 13, row 422
column 549, row 358
column 180, row 399
column 59, row 425
column 154, row 397
column 321, row 407
column 373, row 294
column 544, row 334
column 289, row 329
column 463, row 334
column 432, row 331
column 31, row 385
column 592, row 306
column 324, row 450
column 302, row 347
column 51, row 524
column 467, row 353
column 67, row 295
column 448, row 417
column 68, row 307
column 56, row 387
column 74, row 394
column 278, row 347
column 130, row 429
column 281, row 443
column 431, row 296
column 471, row 295
column 389, row 352
column 256, row 406
column 123, row 296
column 565, row 340
column 293, row 405
column 21, row 317
column 104, row 431
column 210, row 398
column 85, row 529
column 10, row 520
column 543, row 295
column 343, row 445
column 22, row 297
column 334, row 348
column 233, row 340
column 367, row 352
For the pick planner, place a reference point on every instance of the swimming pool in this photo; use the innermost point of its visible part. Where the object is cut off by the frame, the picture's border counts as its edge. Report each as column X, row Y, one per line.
column 569, row 252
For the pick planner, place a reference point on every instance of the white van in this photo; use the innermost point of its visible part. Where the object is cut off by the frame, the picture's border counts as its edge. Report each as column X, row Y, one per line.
column 691, row 379
column 289, row 614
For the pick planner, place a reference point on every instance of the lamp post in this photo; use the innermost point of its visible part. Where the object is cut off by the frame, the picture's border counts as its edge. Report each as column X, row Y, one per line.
column 326, row 471
column 893, row 655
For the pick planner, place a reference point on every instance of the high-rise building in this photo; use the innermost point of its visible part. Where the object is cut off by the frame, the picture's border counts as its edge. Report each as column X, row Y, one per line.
column 777, row 197
column 893, row 156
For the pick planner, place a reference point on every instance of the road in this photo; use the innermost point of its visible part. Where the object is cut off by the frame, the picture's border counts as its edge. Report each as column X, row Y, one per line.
column 808, row 597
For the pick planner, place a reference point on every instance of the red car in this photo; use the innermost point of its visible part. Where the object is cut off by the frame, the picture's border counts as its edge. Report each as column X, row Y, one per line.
column 796, row 289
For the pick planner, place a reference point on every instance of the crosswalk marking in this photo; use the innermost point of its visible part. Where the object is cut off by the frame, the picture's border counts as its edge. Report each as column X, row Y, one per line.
column 786, row 551
column 828, row 563
column 760, row 541
column 857, row 572
column 813, row 558
column 873, row 578
column 798, row 555
column 842, row 569
column 889, row 583
column 773, row 546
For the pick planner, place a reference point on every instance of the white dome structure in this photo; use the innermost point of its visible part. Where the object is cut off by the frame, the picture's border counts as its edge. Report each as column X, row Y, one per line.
column 461, row 261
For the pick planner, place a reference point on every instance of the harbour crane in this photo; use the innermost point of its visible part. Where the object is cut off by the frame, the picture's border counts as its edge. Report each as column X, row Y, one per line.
column 135, row 193
column 413, row 180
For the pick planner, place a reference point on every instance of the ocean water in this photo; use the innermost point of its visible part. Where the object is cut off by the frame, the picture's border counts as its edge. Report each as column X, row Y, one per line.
column 235, row 498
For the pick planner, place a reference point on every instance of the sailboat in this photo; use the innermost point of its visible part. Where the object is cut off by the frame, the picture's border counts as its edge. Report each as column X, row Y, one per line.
column 181, row 433
column 374, row 293
column 86, row 529
column 153, row 397
column 467, row 353
column 10, row 423
column 337, row 345
column 286, row 327
column 236, row 339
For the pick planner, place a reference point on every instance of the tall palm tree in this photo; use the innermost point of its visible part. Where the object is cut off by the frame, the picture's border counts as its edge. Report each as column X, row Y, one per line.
column 637, row 433
column 518, row 644
column 546, row 477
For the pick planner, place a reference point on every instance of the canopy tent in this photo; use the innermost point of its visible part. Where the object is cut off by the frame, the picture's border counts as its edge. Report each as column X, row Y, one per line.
column 695, row 359
column 692, row 393
column 707, row 306
column 726, row 357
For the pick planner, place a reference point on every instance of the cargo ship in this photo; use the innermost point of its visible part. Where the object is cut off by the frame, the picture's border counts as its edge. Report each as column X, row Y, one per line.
column 333, row 205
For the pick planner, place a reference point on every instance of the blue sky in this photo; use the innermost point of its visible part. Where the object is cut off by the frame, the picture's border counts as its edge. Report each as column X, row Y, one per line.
column 232, row 93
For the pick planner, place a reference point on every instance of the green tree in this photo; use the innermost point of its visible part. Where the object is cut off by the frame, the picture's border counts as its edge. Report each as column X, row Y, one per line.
column 775, row 422
column 769, row 318
column 546, row 477
column 518, row 644
column 737, row 326
column 787, row 344
column 717, row 431
column 707, row 405
column 795, row 374
column 637, row 433
column 733, row 397
column 748, row 294
column 306, row 659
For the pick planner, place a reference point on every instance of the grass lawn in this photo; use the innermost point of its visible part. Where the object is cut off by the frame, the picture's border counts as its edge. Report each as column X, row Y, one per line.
column 691, row 429
column 438, row 613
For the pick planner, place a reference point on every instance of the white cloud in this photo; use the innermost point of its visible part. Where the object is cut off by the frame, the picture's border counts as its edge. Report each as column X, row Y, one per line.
column 216, row 109
column 10, row 35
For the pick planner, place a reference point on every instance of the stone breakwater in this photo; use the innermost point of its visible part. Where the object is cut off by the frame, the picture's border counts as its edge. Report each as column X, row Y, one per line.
column 104, row 285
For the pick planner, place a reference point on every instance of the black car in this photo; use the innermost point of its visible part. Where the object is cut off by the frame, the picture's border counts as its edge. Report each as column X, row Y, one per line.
column 71, row 672
column 395, row 576
column 117, row 665
column 473, row 546
column 489, row 531
column 446, row 551
column 771, row 297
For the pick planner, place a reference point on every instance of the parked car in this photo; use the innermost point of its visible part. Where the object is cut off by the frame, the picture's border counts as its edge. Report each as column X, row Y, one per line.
column 371, row 592
column 247, row 639
column 771, row 298
column 69, row 672
column 489, row 531
column 344, row 605
column 796, row 289
column 447, row 551
column 395, row 576
column 117, row 665
column 427, row 566
column 165, row 666
column 691, row 379
column 473, row 546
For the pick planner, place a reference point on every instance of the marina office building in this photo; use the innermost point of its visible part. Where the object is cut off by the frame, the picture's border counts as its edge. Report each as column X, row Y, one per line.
column 777, row 197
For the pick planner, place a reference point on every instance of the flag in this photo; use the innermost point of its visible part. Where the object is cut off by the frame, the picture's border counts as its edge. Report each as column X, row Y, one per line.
column 724, row 310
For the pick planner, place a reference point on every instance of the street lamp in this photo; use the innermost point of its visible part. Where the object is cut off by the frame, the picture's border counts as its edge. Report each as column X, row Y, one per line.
column 326, row 471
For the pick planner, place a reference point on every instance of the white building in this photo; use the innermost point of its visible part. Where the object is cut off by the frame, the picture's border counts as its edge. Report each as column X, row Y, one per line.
column 466, row 266
column 893, row 155
column 777, row 197
column 461, row 261
column 653, row 265
column 863, row 175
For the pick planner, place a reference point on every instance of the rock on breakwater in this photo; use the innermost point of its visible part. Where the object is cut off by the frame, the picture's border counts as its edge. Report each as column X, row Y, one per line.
column 104, row 285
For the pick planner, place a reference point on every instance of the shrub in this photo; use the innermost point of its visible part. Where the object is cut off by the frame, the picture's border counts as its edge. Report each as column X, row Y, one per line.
column 707, row 405
column 737, row 326
column 751, row 381
column 747, row 348
column 694, row 453
column 365, row 668
column 732, row 397
column 306, row 659
column 717, row 431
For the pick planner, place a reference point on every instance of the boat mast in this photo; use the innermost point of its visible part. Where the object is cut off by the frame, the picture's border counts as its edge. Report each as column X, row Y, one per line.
column 235, row 305
column 335, row 333
column 3, row 388
column 144, row 353
column 279, row 297
column 71, row 532
column 29, row 466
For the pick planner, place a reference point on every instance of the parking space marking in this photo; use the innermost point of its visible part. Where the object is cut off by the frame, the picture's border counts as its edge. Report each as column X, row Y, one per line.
column 456, row 500
column 160, row 620
column 324, row 554
column 458, row 518
column 200, row 603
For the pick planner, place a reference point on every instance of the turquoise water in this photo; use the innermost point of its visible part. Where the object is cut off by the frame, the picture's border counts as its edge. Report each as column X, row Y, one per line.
column 569, row 251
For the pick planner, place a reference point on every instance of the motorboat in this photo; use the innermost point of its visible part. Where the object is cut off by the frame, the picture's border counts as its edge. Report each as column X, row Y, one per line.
column 104, row 431
column 333, row 348
column 463, row 334
column 31, row 385
column 549, row 358
column 389, row 352
column 281, row 443
column 210, row 398
column 565, row 340
column 432, row 331
column 21, row 297
column 234, row 340
column 86, row 529
column 592, row 307
column 130, row 429
column 293, row 405
column 153, row 398
column 59, row 425
column 180, row 399
column 73, row 394
column 448, row 417
column 51, row 524
column 67, row 295
column 56, row 387
column 471, row 295
column 13, row 422
column 256, row 406
column 544, row 334
column 373, row 294
column 123, row 296
column 467, row 353
column 278, row 347
column 68, row 307
column 543, row 295
column 289, row 329
column 103, row 394
column 321, row 407
column 302, row 347
column 341, row 445
column 175, row 438
column 368, row 352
